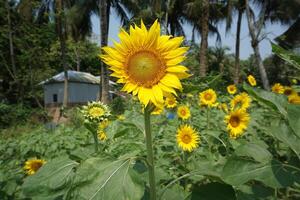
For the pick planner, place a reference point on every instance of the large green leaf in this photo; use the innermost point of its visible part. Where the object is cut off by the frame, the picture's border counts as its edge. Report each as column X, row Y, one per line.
column 254, row 151
column 287, row 56
column 275, row 101
column 254, row 191
column 99, row 178
column 176, row 192
column 282, row 132
column 213, row 191
column 238, row 171
column 294, row 118
column 51, row 180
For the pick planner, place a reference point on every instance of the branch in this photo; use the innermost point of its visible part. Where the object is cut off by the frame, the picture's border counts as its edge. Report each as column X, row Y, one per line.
column 261, row 19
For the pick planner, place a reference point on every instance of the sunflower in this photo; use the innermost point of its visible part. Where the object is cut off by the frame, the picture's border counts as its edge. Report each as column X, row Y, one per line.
column 96, row 111
column 208, row 97
column 278, row 88
column 223, row 106
column 294, row 81
column 289, row 91
column 231, row 89
column 147, row 63
column 157, row 111
column 240, row 101
column 187, row 138
column 294, row 99
column 237, row 121
column 251, row 80
column 183, row 112
column 33, row 165
column 103, row 124
column 101, row 135
column 170, row 102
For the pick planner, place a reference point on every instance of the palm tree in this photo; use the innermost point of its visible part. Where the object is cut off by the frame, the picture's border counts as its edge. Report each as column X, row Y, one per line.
column 255, row 30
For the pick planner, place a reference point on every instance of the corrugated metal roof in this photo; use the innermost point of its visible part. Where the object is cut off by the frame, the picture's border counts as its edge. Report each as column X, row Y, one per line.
column 75, row 76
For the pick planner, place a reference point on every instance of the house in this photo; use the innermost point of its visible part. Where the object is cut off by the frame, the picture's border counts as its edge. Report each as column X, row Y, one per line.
column 82, row 88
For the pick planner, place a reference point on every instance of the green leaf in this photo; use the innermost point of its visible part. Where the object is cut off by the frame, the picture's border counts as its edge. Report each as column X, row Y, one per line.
column 275, row 101
column 287, row 56
column 213, row 191
column 294, row 118
column 238, row 171
column 255, row 191
column 99, row 178
column 176, row 192
column 284, row 133
column 51, row 179
column 254, row 151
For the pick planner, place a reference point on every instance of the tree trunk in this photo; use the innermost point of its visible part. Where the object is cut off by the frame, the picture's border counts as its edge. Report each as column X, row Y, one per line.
column 204, row 37
column 255, row 29
column 11, row 45
column 62, row 39
column 104, row 22
column 77, row 59
column 237, row 48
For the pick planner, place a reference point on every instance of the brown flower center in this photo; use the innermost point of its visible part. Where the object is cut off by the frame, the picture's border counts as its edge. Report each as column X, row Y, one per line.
column 186, row 138
column 145, row 68
column 208, row 96
column 36, row 165
column 234, row 121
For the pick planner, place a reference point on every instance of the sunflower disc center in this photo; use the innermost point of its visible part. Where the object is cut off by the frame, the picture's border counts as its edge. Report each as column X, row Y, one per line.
column 145, row 68
column 186, row 139
column 208, row 96
column 234, row 121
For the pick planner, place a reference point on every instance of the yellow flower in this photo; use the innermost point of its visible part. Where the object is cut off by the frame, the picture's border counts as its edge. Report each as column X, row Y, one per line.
column 278, row 88
column 103, row 124
column 96, row 111
column 121, row 117
column 170, row 102
column 147, row 63
column 251, row 80
column 190, row 95
column 294, row 99
column 101, row 135
column 33, row 165
column 294, row 81
column 187, row 138
column 208, row 97
column 240, row 101
column 157, row 111
column 231, row 89
column 289, row 91
column 183, row 112
column 224, row 107
column 237, row 121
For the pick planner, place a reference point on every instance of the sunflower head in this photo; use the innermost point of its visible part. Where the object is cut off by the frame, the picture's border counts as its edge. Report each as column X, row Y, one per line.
column 251, row 80
column 237, row 121
column 294, row 99
column 170, row 102
column 103, row 124
column 289, row 91
column 187, row 138
column 183, row 112
column 278, row 88
column 157, row 111
column 240, row 101
column 96, row 111
column 101, row 135
column 231, row 89
column 208, row 97
column 147, row 63
column 33, row 165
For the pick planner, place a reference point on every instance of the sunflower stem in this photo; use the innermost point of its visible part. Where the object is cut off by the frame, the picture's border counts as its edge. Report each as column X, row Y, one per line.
column 207, row 117
column 150, row 157
column 95, row 141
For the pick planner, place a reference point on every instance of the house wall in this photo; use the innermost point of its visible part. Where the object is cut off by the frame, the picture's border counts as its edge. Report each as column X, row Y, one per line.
column 78, row 92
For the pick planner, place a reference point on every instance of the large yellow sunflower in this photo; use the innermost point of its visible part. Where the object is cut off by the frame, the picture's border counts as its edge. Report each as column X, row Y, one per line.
column 183, row 112
column 147, row 63
column 251, row 80
column 187, row 138
column 278, row 88
column 170, row 102
column 240, row 101
column 33, row 165
column 231, row 89
column 237, row 121
column 208, row 97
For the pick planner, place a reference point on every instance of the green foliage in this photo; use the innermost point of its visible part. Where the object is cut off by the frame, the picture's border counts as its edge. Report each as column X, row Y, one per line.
column 118, row 105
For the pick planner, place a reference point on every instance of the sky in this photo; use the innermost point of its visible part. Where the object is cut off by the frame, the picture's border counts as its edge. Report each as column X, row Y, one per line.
column 228, row 39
